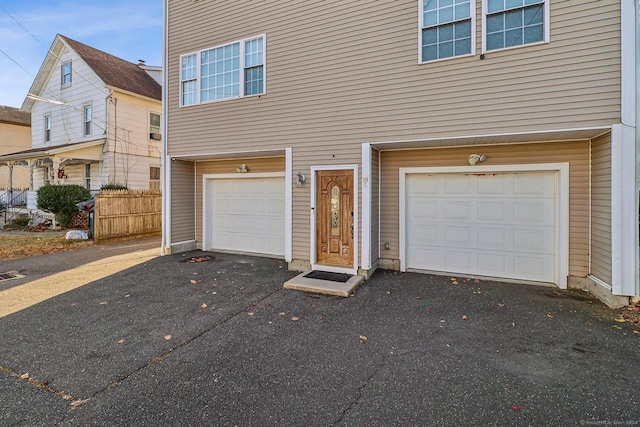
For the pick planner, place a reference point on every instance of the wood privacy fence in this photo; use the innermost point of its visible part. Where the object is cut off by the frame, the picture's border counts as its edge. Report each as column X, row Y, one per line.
column 125, row 213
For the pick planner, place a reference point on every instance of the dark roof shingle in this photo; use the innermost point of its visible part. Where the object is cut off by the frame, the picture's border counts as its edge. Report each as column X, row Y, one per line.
column 14, row 116
column 117, row 72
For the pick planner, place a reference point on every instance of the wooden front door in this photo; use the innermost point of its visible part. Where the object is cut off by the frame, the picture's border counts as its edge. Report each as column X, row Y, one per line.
column 334, row 217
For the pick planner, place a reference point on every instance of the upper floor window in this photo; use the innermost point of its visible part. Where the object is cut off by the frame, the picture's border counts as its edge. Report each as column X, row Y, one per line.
column 47, row 128
column 154, row 126
column 446, row 28
column 512, row 23
column 65, row 71
column 87, row 120
column 230, row 71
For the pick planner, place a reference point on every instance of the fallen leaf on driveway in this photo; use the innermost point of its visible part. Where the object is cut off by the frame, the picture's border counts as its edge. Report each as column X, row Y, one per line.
column 204, row 305
column 167, row 337
column 103, row 303
column 620, row 320
column 24, row 376
column 362, row 338
column 295, row 318
column 550, row 316
column 122, row 341
column 193, row 281
column 251, row 313
column 282, row 313
column 516, row 408
column 465, row 317
column 500, row 304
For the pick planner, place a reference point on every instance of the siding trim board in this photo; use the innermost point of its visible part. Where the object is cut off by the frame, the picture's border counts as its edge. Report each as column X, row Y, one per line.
column 562, row 207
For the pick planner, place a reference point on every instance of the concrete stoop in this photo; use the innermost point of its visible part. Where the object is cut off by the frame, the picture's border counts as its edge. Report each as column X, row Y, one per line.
column 321, row 286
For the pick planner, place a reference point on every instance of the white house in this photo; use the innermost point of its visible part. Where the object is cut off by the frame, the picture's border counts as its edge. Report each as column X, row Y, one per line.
column 96, row 119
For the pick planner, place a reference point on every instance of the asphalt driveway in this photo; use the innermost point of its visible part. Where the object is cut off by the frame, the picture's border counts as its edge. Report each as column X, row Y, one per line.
column 203, row 339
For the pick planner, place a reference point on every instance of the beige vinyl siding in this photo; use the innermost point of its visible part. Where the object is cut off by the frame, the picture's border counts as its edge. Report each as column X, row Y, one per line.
column 255, row 165
column 375, row 203
column 182, row 202
column 601, row 208
column 575, row 153
column 348, row 71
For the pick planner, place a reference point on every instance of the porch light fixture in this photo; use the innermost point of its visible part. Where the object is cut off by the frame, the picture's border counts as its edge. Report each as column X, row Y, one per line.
column 300, row 179
column 476, row 158
column 242, row 169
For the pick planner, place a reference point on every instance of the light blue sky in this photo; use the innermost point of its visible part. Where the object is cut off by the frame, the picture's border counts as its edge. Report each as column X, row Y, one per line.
column 128, row 29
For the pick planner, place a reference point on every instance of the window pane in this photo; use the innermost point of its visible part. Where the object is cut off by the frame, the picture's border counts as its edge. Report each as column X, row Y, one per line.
column 446, row 15
column 445, row 33
column 443, row 3
column 533, row 34
column 462, row 11
column 495, row 41
column 509, row 4
column 495, row 5
column 445, row 50
column 513, row 19
column 533, row 15
column 429, row 53
column 513, row 37
column 253, row 80
column 429, row 36
column 495, row 23
column 463, row 30
column 430, row 5
column 430, row 18
column 463, row 46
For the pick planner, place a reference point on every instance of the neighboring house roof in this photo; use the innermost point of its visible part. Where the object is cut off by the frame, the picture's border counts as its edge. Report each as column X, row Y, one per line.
column 14, row 116
column 117, row 72
column 113, row 71
column 37, row 153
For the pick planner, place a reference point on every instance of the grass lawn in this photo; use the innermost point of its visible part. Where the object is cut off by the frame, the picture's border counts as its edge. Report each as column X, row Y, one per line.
column 14, row 246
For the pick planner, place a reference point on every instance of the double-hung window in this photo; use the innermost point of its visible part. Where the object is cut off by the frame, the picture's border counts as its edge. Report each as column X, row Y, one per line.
column 47, row 128
column 65, row 74
column 446, row 28
column 229, row 71
column 87, row 120
column 512, row 23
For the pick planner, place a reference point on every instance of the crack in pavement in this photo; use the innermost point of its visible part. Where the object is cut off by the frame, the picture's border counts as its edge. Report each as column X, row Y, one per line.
column 79, row 402
column 359, row 390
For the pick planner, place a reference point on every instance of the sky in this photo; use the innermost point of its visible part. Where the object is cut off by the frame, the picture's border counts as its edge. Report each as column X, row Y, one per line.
column 128, row 29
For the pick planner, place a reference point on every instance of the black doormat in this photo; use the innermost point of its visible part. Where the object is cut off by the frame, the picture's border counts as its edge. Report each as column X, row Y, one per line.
column 332, row 277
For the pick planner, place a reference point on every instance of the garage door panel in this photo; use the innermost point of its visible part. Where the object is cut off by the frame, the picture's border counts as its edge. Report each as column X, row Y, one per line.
column 508, row 230
column 247, row 215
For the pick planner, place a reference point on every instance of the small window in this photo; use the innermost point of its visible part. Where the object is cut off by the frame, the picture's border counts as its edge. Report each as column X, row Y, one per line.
column 223, row 72
column 154, row 178
column 87, row 120
column 154, row 126
column 512, row 23
column 446, row 28
column 65, row 79
column 47, row 128
column 87, row 176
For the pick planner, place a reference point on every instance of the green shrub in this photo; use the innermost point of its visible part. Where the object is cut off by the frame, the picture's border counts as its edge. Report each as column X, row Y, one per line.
column 21, row 221
column 61, row 201
column 114, row 186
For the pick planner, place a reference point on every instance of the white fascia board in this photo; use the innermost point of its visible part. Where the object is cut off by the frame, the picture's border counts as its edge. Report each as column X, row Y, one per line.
column 624, row 211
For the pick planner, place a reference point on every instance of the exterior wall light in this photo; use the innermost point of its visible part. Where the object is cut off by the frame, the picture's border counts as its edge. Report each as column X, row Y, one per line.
column 475, row 158
column 242, row 169
column 300, row 179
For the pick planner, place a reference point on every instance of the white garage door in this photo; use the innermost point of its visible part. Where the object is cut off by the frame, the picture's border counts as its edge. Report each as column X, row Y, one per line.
column 497, row 225
column 247, row 215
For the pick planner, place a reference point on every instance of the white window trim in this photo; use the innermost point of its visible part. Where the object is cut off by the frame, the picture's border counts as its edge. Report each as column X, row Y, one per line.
column 149, row 113
column 84, row 120
column 242, row 69
column 44, row 127
column 545, row 24
column 62, row 83
column 472, row 11
column 562, row 208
